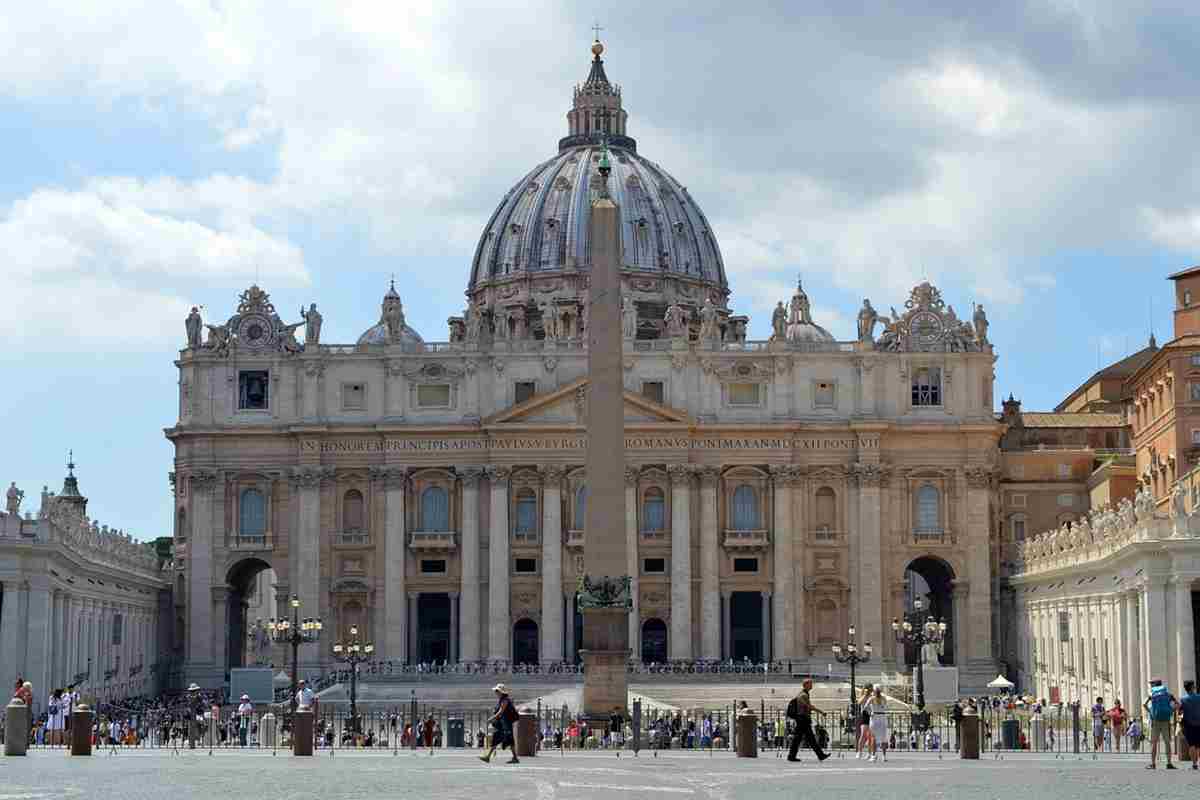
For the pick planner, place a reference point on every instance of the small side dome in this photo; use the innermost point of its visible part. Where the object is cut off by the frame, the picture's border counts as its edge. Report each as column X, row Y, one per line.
column 391, row 328
column 800, row 327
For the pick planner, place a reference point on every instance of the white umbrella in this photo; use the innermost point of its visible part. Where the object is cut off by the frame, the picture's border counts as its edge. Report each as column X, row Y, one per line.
column 1001, row 682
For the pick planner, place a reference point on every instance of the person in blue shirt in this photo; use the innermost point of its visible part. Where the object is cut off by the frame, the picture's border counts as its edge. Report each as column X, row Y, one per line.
column 1189, row 712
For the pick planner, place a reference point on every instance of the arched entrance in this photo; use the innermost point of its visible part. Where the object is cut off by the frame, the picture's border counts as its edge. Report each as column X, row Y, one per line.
column 433, row 627
column 932, row 581
column 745, row 626
column 525, row 642
column 251, row 584
column 654, row 641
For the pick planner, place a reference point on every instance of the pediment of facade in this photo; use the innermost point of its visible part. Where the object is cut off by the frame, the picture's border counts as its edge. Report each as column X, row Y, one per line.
column 568, row 405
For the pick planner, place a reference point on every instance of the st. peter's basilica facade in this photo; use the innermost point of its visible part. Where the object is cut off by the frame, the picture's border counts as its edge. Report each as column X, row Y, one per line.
column 433, row 492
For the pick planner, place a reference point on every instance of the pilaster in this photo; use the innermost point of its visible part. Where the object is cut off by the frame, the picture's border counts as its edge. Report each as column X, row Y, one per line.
column 552, row 548
column 469, row 595
column 499, row 638
column 710, row 577
column 680, row 640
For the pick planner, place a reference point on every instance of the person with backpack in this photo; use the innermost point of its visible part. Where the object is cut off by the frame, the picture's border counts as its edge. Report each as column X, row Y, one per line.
column 502, row 724
column 800, row 711
column 1161, row 706
column 1189, row 720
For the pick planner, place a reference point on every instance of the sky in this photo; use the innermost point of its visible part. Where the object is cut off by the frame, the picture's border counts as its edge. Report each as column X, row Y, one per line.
column 1038, row 158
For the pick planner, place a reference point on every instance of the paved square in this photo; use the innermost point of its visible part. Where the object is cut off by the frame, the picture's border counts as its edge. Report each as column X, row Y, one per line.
column 228, row 775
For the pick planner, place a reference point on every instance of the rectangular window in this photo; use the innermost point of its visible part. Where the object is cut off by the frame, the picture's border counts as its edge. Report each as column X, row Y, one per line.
column 654, row 566
column 1196, row 359
column 1018, row 529
column 1064, row 470
column 1066, row 500
column 252, row 390
column 825, row 394
column 742, row 394
column 927, row 387
column 434, row 395
column 116, row 628
column 523, row 391
column 1017, row 500
column 1064, row 627
column 745, row 565
column 354, row 396
column 1196, row 436
column 525, row 565
column 433, row 565
column 653, row 390
column 1194, row 392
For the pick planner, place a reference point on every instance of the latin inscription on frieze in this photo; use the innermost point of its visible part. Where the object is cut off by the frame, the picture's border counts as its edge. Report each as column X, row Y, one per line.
column 705, row 443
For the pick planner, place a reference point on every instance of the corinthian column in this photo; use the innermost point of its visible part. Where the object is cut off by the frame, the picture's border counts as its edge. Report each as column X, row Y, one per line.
column 305, row 583
column 870, row 565
column 552, row 547
column 784, row 619
column 710, row 576
column 631, row 552
column 200, row 657
column 681, row 561
column 498, row 594
column 395, row 615
column 469, row 589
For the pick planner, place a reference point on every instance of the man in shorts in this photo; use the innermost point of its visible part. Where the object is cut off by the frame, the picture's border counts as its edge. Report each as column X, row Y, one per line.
column 1161, row 706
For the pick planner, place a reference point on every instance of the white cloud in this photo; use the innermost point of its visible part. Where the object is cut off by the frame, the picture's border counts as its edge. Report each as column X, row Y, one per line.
column 1178, row 230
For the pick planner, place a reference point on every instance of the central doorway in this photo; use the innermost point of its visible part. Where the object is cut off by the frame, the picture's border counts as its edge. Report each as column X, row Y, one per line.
column 745, row 623
column 525, row 642
column 433, row 627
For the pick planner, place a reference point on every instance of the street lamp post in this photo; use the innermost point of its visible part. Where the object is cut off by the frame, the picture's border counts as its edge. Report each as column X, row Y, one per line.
column 917, row 632
column 353, row 652
column 294, row 632
column 850, row 654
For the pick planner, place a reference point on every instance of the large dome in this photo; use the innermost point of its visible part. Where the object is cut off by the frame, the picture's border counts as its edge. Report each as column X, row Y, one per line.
column 538, row 235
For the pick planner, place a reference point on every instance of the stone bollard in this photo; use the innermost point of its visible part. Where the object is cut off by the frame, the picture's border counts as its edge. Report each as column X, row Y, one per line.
column 970, row 736
column 16, row 728
column 747, row 735
column 525, row 735
column 268, row 734
column 81, row 730
column 302, row 731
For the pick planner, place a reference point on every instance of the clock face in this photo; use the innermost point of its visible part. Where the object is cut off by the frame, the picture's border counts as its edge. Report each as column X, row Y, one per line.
column 925, row 328
column 255, row 330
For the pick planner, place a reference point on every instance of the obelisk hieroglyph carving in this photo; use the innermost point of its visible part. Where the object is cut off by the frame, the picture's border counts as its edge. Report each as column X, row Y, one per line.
column 604, row 588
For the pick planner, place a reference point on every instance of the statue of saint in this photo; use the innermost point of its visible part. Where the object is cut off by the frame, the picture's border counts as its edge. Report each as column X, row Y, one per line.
column 13, row 500
column 1178, row 503
column 499, row 324
column 709, row 330
column 218, row 339
column 628, row 318
column 676, row 321
column 779, row 323
column 458, row 330
column 549, row 321
column 930, row 653
column 193, row 324
column 867, row 318
column 393, row 317
column 981, row 325
column 474, row 322
column 312, row 319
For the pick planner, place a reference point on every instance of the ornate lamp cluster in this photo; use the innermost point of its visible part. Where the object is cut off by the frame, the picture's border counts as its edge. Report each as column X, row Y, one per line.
column 353, row 652
column 851, row 654
column 919, row 633
column 294, row 632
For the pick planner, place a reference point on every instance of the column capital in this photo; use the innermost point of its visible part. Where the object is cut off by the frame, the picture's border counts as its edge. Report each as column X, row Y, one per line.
column 979, row 477
column 498, row 474
column 202, row 480
column 392, row 477
column 787, row 475
column 452, row 595
column 870, row 476
column 708, row 475
column 632, row 474
column 310, row 477
column 413, row 595
column 470, row 476
column 552, row 475
column 680, row 474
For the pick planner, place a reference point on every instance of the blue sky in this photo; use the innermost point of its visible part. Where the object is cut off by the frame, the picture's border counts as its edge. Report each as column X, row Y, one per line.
column 1038, row 158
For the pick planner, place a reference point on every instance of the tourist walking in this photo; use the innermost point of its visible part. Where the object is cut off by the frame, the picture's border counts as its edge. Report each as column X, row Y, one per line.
column 1117, row 718
column 799, row 710
column 1161, row 706
column 502, row 722
column 1189, row 720
column 1098, row 719
column 879, row 724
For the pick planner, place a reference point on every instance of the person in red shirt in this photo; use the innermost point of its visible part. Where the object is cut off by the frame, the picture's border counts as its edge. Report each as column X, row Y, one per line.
column 1117, row 718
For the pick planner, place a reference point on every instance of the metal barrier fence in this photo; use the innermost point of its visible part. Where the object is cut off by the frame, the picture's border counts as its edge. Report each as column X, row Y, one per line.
column 1060, row 731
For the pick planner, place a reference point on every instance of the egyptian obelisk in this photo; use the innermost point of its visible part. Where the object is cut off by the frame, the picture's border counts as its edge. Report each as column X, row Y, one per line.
column 604, row 591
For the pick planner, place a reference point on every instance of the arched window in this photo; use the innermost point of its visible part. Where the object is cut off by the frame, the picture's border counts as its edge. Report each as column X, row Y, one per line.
column 929, row 518
column 352, row 512
column 435, row 509
column 252, row 519
column 526, row 512
column 654, row 510
column 745, row 509
column 826, row 513
column 580, row 507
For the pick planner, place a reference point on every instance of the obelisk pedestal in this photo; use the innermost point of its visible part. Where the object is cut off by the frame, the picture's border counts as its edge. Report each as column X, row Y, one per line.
column 604, row 590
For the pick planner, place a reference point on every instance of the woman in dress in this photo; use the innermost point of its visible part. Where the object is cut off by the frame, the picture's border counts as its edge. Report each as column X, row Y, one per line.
column 864, row 723
column 1117, row 719
column 56, row 714
column 879, row 724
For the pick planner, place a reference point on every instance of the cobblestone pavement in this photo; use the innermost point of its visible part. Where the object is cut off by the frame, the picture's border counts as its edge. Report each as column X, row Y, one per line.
column 231, row 775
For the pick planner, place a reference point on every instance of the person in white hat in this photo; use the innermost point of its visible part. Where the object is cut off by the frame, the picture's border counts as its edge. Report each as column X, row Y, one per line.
column 245, row 712
column 502, row 725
